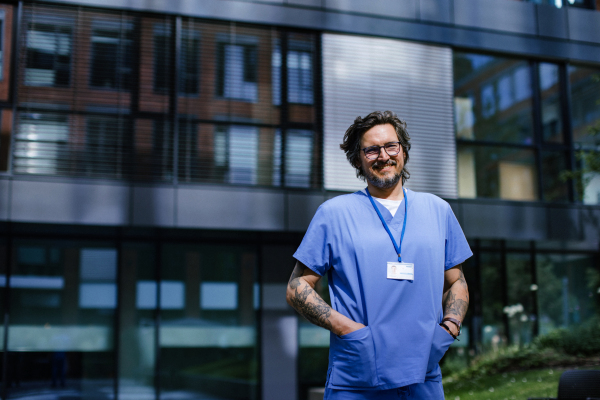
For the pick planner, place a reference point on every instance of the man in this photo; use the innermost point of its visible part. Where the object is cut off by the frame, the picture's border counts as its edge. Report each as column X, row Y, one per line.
column 393, row 261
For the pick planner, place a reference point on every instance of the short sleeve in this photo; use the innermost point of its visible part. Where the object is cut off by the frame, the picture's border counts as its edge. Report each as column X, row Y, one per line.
column 457, row 247
column 315, row 249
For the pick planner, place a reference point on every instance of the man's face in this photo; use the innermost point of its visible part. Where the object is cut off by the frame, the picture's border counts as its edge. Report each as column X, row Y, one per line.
column 385, row 171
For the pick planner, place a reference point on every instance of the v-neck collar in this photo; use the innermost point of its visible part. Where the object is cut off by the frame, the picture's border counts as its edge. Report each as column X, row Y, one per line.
column 393, row 221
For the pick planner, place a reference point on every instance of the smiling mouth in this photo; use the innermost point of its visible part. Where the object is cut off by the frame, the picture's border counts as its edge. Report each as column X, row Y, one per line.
column 379, row 167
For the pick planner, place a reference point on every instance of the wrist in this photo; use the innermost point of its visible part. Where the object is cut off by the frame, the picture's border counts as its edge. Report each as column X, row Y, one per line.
column 451, row 329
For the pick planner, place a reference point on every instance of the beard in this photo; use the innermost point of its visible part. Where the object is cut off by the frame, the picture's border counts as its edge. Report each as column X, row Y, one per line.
column 382, row 182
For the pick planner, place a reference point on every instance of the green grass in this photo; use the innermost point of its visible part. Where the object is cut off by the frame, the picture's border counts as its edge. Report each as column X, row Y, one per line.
column 506, row 386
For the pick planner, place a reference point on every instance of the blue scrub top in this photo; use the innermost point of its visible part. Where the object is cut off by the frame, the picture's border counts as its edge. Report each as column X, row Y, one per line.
column 347, row 240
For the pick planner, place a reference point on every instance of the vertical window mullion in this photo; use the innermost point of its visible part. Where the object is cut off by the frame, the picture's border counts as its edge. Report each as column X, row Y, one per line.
column 565, row 95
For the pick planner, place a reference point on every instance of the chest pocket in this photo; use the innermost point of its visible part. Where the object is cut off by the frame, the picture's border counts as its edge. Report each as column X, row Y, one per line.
column 354, row 359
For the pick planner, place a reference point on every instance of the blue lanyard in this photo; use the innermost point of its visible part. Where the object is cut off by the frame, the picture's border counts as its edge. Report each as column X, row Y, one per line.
column 398, row 248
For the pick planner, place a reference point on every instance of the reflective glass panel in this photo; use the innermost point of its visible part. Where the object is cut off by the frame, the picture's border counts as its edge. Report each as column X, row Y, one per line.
column 492, row 98
column 585, row 98
column 63, row 301
column 496, row 172
column 137, row 350
column 569, row 286
column 549, row 83
column 209, row 300
column 492, row 301
column 520, row 308
column 555, row 189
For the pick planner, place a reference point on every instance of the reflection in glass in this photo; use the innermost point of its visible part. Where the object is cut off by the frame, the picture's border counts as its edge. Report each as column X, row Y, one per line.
column 520, row 309
column 496, row 172
column 137, row 307
column 569, row 286
column 492, row 302
column 63, row 299
column 585, row 106
column 555, row 189
column 549, row 82
column 208, row 333
column 492, row 98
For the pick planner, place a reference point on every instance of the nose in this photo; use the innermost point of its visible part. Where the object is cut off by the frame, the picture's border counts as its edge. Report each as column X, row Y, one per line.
column 383, row 155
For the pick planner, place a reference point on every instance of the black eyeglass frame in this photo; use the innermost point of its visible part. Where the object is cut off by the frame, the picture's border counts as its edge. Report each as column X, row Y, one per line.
column 379, row 150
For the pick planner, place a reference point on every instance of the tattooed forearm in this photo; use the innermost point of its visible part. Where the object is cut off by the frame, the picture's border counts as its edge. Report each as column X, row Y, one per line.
column 454, row 306
column 315, row 310
column 456, row 298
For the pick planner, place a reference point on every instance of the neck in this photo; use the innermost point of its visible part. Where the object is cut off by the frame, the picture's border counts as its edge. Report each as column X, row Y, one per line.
column 393, row 193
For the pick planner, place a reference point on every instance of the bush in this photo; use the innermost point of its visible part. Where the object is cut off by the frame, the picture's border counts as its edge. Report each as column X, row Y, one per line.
column 582, row 340
column 560, row 348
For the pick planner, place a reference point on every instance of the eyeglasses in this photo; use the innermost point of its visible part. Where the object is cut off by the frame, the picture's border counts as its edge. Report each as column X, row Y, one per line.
column 372, row 152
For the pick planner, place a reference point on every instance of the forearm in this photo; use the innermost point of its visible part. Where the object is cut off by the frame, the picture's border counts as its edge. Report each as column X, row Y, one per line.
column 455, row 300
column 304, row 299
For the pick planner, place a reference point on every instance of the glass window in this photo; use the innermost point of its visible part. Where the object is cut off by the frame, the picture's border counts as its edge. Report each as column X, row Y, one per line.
column 2, row 38
column 209, row 300
column 189, row 60
column 555, row 189
column 492, row 303
column 549, row 83
column 298, row 158
column 111, row 63
column 236, row 153
column 63, row 301
column 49, row 49
column 137, row 324
column 41, row 145
column 585, row 98
column 105, row 150
column 497, row 172
column 520, row 309
column 492, row 98
column 568, row 287
column 237, row 71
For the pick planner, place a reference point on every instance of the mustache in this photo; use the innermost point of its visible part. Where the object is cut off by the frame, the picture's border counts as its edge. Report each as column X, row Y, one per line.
column 382, row 164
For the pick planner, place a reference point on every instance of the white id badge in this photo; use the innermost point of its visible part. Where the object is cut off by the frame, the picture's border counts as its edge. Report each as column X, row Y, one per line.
column 400, row 270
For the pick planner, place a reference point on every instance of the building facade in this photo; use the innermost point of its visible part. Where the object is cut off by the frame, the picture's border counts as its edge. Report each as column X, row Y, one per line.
column 160, row 162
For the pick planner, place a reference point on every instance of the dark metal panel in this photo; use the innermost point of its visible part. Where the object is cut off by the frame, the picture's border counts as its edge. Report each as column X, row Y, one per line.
column 436, row 11
column 512, row 15
column 302, row 208
column 507, row 16
column 387, row 8
column 69, row 203
column 153, row 206
column 279, row 341
column 503, row 221
column 563, row 224
column 229, row 208
column 522, row 45
column 552, row 21
column 584, row 25
column 309, row 3
column 4, row 193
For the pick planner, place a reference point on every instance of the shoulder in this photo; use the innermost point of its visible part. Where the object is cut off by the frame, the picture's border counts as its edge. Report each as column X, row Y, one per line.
column 429, row 200
column 342, row 202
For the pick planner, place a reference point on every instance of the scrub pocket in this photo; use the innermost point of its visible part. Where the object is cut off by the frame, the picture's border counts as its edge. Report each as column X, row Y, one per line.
column 441, row 341
column 354, row 359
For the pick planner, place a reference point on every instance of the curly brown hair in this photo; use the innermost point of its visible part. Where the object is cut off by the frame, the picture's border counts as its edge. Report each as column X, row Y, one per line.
column 352, row 137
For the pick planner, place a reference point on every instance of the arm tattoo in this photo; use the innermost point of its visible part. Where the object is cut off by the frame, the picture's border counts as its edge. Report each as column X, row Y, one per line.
column 454, row 305
column 315, row 309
